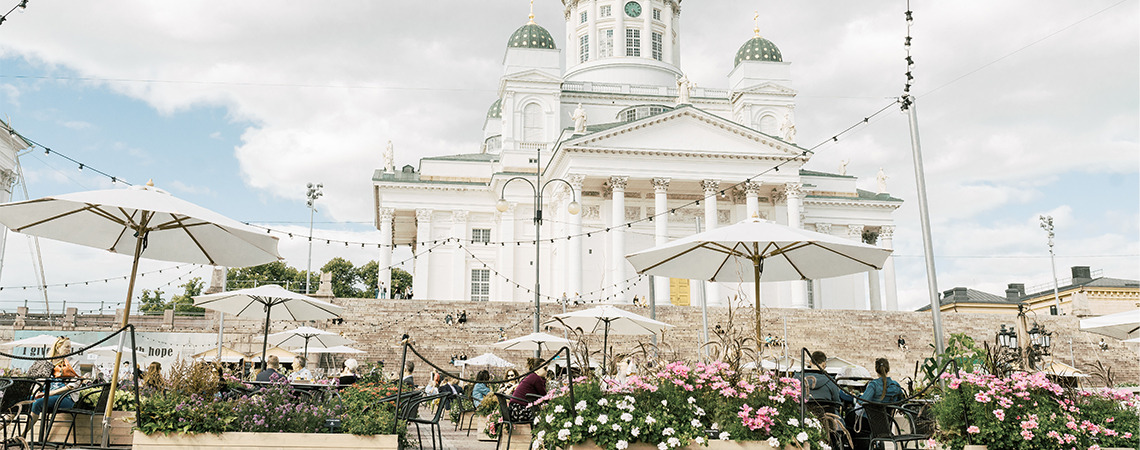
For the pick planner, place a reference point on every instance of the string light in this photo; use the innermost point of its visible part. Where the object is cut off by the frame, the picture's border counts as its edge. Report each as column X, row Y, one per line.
column 906, row 100
column 22, row 5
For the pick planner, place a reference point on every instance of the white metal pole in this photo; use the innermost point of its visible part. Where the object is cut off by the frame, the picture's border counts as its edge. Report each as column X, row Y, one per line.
column 309, row 264
column 924, row 215
column 704, row 308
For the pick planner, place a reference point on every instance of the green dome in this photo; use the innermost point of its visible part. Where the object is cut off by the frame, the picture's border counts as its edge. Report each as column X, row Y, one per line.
column 496, row 110
column 532, row 36
column 758, row 49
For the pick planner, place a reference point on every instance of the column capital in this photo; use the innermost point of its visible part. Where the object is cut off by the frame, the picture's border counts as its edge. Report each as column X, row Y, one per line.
column 752, row 188
column 855, row 232
column 459, row 215
column 823, row 227
column 576, row 180
column 618, row 182
column 887, row 232
column 661, row 185
column 710, row 186
column 794, row 190
column 386, row 214
column 423, row 214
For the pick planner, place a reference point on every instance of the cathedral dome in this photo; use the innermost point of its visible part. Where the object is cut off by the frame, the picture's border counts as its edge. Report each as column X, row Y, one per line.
column 758, row 49
column 532, row 35
column 496, row 110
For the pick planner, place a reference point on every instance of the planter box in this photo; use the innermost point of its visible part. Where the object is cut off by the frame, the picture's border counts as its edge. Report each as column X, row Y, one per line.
column 122, row 424
column 258, row 441
column 713, row 445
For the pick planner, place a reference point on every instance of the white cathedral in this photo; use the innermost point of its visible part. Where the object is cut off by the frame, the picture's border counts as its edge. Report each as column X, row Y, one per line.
column 618, row 134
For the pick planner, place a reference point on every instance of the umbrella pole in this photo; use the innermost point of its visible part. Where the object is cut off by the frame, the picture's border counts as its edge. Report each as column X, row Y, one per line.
column 605, row 350
column 756, row 271
column 307, row 349
column 126, row 319
column 265, row 342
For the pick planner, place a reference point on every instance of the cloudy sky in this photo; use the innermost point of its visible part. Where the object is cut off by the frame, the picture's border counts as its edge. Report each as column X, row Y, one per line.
column 1025, row 108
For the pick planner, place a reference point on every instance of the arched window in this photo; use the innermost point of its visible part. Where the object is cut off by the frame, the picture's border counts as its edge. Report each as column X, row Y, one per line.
column 767, row 124
column 533, row 129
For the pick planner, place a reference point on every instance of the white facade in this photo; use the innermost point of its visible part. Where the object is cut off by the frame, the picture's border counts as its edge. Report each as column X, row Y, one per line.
column 650, row 143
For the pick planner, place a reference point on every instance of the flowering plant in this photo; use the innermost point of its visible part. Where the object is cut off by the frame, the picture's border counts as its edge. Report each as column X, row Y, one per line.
column 1025, row 411
column 677, row 406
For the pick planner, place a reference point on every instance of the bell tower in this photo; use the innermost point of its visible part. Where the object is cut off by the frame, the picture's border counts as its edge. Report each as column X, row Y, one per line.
column 623, row 41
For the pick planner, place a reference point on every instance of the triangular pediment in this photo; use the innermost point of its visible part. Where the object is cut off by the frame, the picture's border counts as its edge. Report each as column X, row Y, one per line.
column 768, row 88
column 686, row 130
column 533, row 75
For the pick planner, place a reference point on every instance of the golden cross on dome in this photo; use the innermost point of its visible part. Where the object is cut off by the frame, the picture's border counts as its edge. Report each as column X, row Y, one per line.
column 531, row 12
column 756, row 21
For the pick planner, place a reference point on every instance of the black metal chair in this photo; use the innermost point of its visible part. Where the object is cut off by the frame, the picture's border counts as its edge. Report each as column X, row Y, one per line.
column 510, row 419
column 884, row 428
column 830, row 414
column 433, row 421
column 15, row 407
column 464, row 404
column 91, row 402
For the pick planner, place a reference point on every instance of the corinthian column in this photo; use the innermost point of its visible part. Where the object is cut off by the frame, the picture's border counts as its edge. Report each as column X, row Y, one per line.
column 794, row 192
column 873, row 278
column 458, row 255
column 574, row 253
column 661, row 232
column 711, row 189
column 384, row 277
column 752, row 198
column 617, row 231
column 886, row 240
column 420, row 279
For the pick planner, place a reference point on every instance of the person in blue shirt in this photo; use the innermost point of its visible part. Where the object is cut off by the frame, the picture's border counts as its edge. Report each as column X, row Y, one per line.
column 883, row 389
column 818, row 385
column 481, row 389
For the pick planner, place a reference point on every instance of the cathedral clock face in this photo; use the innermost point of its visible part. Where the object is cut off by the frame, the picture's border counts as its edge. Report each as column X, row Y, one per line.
column 633, row 9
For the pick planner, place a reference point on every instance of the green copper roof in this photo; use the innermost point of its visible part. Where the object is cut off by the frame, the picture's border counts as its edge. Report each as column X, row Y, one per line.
column 758, row 49
column 496, row 110
column 532, row 36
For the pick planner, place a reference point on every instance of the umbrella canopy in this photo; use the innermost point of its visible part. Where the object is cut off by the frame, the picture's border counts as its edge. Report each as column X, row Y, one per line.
column 533, row 341
column 487, row 359
column 336, row 349
column 755, row 250
column 43, row 340
column 1122, row 325
column 306, row 337
column 270, row 301
column 609, row 319
column 1132, row 340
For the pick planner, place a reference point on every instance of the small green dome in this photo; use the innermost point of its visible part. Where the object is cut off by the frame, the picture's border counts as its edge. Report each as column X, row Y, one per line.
column 758, row 49
column 496, row 110
column 532, row 36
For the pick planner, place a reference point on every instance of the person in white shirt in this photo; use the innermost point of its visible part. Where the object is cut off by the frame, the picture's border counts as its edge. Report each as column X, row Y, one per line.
column 300, row 372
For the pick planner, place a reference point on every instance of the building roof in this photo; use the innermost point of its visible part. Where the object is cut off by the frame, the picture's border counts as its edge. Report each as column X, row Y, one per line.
column 532, row 35
column 1101, row 282
column 496, row 110
column 813, row 173
column 967, row 295
column 477, row 157
column 758, row 49
column 861, row 195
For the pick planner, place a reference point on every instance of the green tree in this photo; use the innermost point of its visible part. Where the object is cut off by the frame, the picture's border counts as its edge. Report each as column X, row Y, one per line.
column 345, row 278
column 369, row 275
column 151, row 301
column 401, row 280
column 273, row 273
column 185, row 302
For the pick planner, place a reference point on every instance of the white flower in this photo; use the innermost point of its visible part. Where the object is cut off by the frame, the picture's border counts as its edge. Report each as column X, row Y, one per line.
column 700, row 440
column 794, row 422
column 568, row 424
column 592, row 428
column 635, row 431
column 664, row 402
column 723, row 436
column 603, row 402
column 824, row 446
column 695, row 423
column 626, row 417
column 580, row 406
column 668, row 431
column 629, row 398
column 813, row 422
column 673, row 442
column 662, row 446
column 578, row 420
column 802, row 437
column 559, row 409
column 715, row 426
column 773, row 442
column 550, row 418
column 538, row 437
column 537, row 444
column 616, row 427
column 622, row 445
column 563, row 434
column 700, row 411
column 692, row 400
column 602, row 419
column 649, row 420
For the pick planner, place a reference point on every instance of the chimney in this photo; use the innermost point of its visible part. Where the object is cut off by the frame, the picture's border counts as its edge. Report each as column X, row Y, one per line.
column 1014, row 292
column 957, row 294
column 1081, row 275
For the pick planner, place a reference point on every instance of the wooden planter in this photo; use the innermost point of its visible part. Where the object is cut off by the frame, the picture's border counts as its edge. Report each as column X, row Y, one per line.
column 975, row 447
column 712, row 445
column 258, row 441
column 122, row 423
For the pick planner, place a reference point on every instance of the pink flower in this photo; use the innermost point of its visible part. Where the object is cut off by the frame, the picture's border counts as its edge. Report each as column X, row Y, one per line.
column 1000, row 414
column 973, row 429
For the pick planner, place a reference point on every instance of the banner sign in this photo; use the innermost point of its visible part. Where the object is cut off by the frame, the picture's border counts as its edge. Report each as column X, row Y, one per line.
column 166, row 348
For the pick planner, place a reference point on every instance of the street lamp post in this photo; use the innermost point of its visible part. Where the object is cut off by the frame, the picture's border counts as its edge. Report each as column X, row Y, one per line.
column 1047, row 225
column 538, row 187
column 312, row 195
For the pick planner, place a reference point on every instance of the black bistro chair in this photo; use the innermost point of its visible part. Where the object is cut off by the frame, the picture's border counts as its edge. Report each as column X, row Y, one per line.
column 830, row 414
column 510, row 418
column 91, row 402
column 15, row 408
column 431, row 421
column 884, row 428
column 464, row 404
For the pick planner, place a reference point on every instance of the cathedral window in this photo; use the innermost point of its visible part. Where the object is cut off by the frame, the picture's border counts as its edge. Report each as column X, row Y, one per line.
column 632, row 42
column 533, row 130
column 584, row 17
column 767, row 124
column 657, row 46
column 656, row 14
column 480, row 285
column 606, row 45
column 482, row 235
column 605, row 11
column 584, row 48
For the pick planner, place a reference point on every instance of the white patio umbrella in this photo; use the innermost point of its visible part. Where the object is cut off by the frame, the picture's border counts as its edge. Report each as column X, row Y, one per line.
column 487, row 359
column 755, row 250
column 609, row 319
column 270, row 301
column 532, row 342
column 43, row 340
column 1122, row 325
column 306, row 337
column 145, row 222
column 335, row 349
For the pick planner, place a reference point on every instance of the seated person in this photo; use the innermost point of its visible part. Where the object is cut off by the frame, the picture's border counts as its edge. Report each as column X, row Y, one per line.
column 818, row 384
column 272, row 372
column 530, row 387
column 300, row 372
column 348, row 375
column 481, row 389
column 408, row 380
column 61, row 368
column 883, row 389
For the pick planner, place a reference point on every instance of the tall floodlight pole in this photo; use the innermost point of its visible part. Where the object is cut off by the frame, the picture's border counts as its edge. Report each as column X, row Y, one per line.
column 537, row 186
column 313, row 194
column 1047, row 225
column 924, row 215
